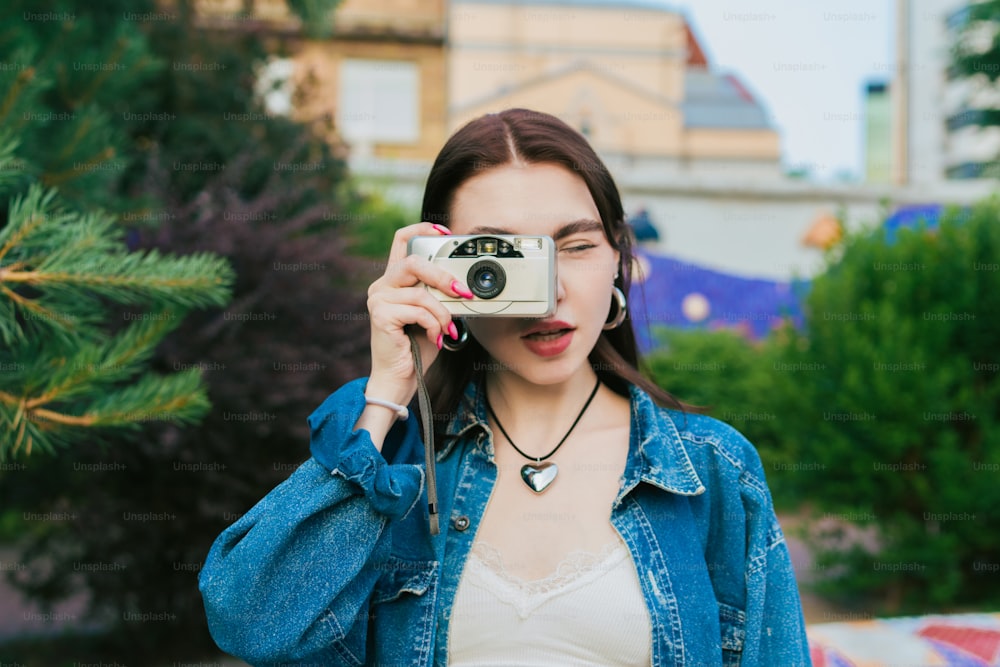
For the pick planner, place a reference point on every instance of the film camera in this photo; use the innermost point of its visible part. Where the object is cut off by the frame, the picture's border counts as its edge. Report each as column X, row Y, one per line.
column 510, row 275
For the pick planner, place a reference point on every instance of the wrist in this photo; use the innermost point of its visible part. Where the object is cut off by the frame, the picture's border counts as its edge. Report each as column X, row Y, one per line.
column 380, row 414
column 390, row 390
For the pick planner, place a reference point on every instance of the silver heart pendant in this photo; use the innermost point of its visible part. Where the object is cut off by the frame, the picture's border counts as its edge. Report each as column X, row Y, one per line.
column 538, row 477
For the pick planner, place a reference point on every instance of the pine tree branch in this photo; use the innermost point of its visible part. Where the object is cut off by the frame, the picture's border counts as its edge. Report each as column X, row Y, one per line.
column 19, row 83
column 63, row 278
column 28, row 304
column 79, row 263
column 177, row 398
column 59, row 418
column 22, row 427
column 69, row 174
column 167, row 410
column 19, row 235
column 116, row 360
column 81, row 130
column 19, row 423
column 12, row 167
column 97, row 81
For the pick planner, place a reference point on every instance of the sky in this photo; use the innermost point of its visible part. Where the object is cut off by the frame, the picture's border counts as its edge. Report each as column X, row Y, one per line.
column 807, row 62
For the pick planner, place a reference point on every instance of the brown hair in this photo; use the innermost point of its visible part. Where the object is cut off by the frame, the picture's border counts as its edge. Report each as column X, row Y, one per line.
column 533, row 137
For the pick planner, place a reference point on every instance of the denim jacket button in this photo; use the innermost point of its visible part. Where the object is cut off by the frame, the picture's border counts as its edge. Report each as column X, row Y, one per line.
column 461, row 522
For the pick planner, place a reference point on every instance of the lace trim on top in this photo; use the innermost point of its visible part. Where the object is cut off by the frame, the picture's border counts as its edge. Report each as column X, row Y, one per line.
column 575, row 566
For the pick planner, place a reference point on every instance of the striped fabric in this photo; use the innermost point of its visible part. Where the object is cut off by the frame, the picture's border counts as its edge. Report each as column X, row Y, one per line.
column 962, row 640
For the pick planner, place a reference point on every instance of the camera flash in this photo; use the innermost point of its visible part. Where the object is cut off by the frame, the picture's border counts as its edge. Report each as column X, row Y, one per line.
column 528, row 244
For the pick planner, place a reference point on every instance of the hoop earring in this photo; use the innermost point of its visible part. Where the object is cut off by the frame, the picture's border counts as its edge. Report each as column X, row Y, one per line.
column 463, row 337
column 619, row 299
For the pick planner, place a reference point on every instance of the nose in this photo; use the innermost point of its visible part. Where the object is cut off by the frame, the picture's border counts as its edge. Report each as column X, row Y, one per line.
column 560, row 290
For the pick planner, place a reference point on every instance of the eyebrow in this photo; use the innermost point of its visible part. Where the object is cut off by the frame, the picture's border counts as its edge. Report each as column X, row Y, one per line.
column 581, row 226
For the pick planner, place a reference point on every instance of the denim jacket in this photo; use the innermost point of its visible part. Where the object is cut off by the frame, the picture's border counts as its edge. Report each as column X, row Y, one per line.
column 337, row 566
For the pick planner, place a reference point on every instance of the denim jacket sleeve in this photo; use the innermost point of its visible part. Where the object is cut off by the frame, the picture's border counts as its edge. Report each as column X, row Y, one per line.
column 775, row 632
column 774, row 615
column 290, row 581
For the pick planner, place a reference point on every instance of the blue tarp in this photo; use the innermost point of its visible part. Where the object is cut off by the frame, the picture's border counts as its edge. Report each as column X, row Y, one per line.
column 751, row 305
column 911, row 216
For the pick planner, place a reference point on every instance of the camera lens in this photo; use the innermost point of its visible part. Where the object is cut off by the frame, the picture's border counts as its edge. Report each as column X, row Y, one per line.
column 486, row 279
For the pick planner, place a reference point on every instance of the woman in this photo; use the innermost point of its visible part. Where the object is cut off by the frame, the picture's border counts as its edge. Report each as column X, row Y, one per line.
column 652, row 539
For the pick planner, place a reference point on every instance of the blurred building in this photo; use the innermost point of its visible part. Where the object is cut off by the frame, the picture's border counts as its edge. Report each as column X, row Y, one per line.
column 878, row 135
column 628, row 74
column 691, row 146
column 378, row 73
column 973, row 150
column 936, row 110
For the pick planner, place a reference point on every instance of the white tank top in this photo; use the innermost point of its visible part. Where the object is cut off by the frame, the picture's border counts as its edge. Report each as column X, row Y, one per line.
column 590, row 611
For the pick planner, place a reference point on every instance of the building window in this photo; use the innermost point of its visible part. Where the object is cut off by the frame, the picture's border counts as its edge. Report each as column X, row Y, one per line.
column 975, row 117
column 275, row 85
column 379, row 101
column 974, row 170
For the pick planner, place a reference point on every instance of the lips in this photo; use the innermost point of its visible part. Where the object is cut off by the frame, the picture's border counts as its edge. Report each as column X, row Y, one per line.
column 547, row 329
column 548, row 339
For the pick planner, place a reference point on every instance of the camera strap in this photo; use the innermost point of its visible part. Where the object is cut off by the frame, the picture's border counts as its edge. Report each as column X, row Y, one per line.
column 426, row 416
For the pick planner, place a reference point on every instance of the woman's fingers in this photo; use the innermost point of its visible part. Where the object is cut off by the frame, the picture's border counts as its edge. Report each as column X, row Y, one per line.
column 396, row 316
column 389, row 305
column 400, row 298
column 403, row 235
column 404, row 270
column 413, row 270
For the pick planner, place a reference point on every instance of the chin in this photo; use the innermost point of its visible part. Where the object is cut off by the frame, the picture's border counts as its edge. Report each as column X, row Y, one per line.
column 552, row 372
column 548, row 379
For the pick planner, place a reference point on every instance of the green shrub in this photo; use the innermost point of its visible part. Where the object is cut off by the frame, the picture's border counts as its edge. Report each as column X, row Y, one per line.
column 735, row 380
column 374, row 220
column 896, row 440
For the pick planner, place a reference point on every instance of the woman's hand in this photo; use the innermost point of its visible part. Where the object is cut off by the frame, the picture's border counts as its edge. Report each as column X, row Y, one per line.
column 397, row 299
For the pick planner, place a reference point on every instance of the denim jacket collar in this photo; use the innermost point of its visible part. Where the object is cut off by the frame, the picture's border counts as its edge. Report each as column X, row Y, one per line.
column 471, row 415
column 656, row 451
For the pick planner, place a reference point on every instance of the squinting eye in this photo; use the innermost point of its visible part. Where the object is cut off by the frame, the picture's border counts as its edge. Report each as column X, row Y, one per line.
column 578, row 248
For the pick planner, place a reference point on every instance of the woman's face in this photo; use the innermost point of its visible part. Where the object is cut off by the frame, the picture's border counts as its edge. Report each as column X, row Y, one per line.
column 551, row 200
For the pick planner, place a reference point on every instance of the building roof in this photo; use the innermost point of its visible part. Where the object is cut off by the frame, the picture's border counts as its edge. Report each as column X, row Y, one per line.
column 567, row 69
column 696, row 55
column 720, row 101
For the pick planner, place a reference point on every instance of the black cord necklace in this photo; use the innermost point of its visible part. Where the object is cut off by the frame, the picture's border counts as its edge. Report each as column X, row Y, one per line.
column 539, row 476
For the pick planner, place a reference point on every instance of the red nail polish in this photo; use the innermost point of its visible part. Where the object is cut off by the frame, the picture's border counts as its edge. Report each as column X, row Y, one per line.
column 441, row 229
column 461, row 291
column 440, row 341
column 453, row 331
